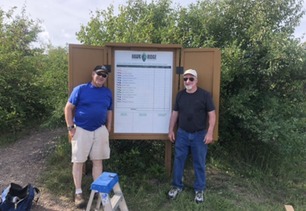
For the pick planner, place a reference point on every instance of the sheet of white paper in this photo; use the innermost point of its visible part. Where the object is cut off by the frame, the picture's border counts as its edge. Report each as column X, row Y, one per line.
column 143, row 91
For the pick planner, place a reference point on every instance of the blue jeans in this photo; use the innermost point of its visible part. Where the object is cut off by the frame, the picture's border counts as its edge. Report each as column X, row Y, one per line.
column 193, row 142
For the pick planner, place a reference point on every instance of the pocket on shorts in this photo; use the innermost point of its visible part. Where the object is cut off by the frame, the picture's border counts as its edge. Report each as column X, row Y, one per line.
column 105, row 130
column 76, row 135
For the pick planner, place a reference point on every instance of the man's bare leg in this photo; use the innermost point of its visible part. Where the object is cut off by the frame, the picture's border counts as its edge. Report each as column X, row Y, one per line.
column 97, row 168
column 77, row 173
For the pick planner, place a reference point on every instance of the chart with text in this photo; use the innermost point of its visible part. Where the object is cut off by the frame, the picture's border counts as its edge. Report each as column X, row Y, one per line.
column 142, row 91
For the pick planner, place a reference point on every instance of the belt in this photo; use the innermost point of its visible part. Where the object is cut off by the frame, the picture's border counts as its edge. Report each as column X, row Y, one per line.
column 194, row 131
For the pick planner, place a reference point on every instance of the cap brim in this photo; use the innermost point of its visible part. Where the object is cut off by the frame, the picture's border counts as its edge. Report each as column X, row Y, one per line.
column 190, row 74
column 101, row 70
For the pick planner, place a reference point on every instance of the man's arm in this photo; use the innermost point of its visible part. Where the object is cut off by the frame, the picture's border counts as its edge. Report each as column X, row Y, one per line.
column 69, row 109
column 211, row 125
column 109, row 120
column 172, row 124
column 69, row 113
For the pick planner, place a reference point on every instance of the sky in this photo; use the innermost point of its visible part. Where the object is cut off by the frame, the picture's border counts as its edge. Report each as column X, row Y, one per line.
column 61, row 19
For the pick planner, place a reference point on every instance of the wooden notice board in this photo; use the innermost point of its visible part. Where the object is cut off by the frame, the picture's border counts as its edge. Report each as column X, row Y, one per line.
column 143, row 83
column 144, row 80
column 207, row 62
column 82, row 61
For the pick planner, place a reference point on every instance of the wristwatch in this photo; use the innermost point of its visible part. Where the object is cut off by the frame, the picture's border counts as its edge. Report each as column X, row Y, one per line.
column 69, row 128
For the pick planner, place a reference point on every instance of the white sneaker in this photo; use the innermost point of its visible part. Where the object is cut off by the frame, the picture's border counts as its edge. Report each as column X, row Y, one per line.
column 173, row 193
column 199, row 196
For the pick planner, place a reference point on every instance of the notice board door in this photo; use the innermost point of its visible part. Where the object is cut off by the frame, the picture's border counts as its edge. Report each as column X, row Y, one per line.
column 82, row 60
column 207, row 62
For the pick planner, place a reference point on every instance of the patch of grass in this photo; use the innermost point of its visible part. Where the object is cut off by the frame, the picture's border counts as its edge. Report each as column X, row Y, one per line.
column 7, row 138
column 11, row 136
column 58, row 178
column 145, row 185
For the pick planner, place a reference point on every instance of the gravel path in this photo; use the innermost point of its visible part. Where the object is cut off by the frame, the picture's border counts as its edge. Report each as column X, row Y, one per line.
column 23, row 161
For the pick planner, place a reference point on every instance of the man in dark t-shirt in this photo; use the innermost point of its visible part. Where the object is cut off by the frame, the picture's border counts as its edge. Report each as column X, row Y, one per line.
column 194, row 112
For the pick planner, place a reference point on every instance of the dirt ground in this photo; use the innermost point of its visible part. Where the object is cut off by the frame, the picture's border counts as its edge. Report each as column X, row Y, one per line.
column 23, row 162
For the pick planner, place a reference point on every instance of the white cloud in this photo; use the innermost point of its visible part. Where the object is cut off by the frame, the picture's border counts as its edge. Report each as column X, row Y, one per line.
column 300, row 31
column 44, row 37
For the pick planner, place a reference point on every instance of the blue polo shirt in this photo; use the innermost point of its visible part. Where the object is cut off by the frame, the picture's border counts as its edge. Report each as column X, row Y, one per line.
column 91, row 105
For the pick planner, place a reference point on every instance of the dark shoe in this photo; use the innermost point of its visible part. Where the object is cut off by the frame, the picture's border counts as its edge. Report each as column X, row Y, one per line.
column 174, row 192
column 79, row 201
column 97, row 195
column 199, row 196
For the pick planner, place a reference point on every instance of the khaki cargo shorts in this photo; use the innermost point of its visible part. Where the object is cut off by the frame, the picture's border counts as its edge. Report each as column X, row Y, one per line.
column 94, row 144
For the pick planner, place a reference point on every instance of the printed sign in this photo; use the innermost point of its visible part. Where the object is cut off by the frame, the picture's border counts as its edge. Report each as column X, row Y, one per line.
column 142, row 91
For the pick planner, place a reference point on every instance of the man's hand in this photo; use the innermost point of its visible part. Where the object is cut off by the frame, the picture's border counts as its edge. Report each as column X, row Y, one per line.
column 71, row 134
column 171, row 136
column 208, row 138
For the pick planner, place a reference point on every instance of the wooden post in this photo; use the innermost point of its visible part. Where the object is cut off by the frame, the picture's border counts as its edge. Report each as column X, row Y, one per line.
column 168, row 156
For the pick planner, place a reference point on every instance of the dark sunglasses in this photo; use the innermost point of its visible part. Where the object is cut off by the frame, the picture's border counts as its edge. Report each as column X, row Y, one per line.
column 102, row 74
column 190, row 79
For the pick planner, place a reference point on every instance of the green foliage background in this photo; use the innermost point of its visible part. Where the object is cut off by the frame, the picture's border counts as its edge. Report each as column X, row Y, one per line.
column 262, row 104
column 33, row 80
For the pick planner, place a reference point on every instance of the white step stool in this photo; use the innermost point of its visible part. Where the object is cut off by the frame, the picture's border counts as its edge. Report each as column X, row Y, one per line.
column 104, row 184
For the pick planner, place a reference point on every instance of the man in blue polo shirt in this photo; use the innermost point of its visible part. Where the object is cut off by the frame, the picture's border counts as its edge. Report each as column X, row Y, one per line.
column 88, row 115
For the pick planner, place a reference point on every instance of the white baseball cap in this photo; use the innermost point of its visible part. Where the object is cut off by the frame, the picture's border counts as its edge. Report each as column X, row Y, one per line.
column 191, row 72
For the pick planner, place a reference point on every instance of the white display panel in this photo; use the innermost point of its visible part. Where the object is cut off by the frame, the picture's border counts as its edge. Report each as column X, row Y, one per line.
column 142, row 91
